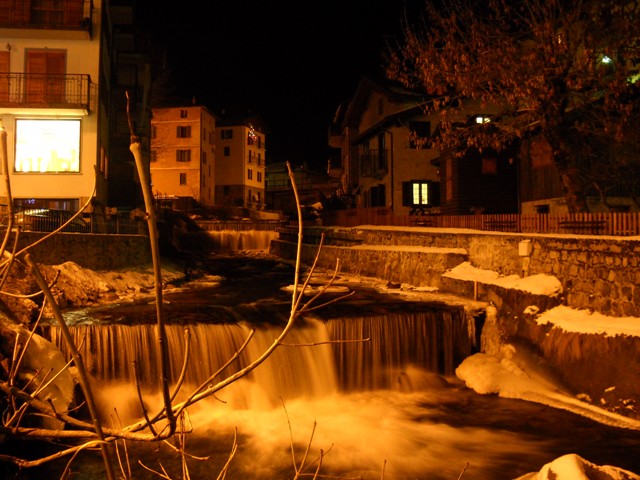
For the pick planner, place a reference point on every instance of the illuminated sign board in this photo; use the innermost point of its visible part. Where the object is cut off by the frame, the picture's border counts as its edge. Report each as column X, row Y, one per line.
column 47, row 146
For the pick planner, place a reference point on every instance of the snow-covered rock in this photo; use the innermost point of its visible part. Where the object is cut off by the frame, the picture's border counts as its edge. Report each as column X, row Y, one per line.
column 574, row 467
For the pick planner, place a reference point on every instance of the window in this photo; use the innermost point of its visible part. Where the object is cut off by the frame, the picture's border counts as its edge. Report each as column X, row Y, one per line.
column 183, row 178
column 183, row 113
column 47, row 146
column 227, row 151
column 420, row 193
column 226, row 134
column 482, row 119
column 183, row 132
column 419, row 135
column 260, row 177
column 183, row 155
column 250, row 174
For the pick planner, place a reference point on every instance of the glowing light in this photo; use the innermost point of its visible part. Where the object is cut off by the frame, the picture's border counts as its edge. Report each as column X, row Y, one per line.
column 47, row 146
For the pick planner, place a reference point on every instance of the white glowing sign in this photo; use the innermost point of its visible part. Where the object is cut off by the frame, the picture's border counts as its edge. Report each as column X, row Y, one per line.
column 47, row 146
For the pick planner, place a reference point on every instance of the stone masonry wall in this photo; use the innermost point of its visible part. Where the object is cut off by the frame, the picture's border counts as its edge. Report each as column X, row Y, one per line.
column 596, row 272
column 93, row 251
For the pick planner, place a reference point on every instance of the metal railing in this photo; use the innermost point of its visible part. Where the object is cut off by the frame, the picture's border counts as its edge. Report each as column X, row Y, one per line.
column 375, row 162
column 47, row 220
column 51, row 14
column 45, row 90
column 610, row 223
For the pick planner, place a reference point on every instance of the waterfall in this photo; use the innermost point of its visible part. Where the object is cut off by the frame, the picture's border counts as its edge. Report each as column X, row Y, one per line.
column 398, row 348
column 317, row 358
column 241, row 239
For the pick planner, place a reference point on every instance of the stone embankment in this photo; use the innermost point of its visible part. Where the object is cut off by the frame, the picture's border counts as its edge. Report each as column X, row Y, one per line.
column 601, row 274
column 598, row 273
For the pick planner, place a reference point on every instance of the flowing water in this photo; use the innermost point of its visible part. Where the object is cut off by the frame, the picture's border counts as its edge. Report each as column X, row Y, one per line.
column 367, row 384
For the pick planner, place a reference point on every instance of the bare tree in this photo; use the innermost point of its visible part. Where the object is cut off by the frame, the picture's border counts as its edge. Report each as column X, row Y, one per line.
column 565, row 70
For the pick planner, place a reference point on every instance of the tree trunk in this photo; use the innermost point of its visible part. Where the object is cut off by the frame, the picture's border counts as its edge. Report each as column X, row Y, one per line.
column 562, row 153
column 576, row 200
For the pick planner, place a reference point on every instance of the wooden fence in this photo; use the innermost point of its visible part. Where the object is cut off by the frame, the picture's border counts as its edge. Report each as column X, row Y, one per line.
column 618, row 223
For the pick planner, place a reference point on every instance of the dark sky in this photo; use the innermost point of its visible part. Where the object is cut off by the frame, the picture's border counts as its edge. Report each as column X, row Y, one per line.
column 293, row 63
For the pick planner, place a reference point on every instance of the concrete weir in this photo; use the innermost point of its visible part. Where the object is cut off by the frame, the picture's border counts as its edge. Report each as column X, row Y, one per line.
column 601, row 274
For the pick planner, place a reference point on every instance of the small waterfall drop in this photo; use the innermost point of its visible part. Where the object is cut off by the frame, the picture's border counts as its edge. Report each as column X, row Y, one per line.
column 396, row 347
column 241, row 239
column 317, row 358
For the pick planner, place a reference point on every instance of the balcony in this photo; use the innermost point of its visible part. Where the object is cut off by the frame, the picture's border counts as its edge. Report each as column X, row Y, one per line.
column 68, row 94
column 375, row 163
column 46, row 14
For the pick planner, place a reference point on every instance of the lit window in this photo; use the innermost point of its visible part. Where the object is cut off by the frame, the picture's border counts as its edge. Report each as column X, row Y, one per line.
column 482, row 119
column 421, row 194
column 47, row 146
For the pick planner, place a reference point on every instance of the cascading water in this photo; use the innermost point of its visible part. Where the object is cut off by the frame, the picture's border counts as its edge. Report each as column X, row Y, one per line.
column 241, row 239
column 396, row 345
column 371, row 385
column 318, row 358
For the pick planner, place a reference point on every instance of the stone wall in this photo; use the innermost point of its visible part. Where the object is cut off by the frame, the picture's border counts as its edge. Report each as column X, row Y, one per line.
column 93, row 251
column 600, row 273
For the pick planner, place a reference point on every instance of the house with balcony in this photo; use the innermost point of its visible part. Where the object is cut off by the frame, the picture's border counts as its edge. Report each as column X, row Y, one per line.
column 59, row 69
column 385, row 155
column 183, row 160
column 240, row 162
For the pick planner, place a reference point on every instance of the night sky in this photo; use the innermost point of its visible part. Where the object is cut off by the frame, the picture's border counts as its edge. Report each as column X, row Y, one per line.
column 292, row 63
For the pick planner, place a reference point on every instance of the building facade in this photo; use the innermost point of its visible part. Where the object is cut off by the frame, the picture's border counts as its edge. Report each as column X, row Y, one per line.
column 386, row 160
column 183, row 158
column 240, row 164
column 49, row 67
column 61, row 64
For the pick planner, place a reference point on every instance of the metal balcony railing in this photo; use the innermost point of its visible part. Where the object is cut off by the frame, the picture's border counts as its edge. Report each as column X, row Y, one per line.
column 46, row 14
column 374, row 163
column 38, row 90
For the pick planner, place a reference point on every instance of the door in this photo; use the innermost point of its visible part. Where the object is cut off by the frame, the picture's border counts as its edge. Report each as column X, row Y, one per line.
column 45, row 76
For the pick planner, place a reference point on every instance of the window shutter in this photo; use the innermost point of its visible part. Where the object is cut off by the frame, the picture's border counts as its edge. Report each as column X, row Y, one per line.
column 407, row 194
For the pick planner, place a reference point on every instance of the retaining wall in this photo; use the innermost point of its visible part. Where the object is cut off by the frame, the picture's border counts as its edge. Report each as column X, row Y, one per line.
column 93, row 251
column 600, row 273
